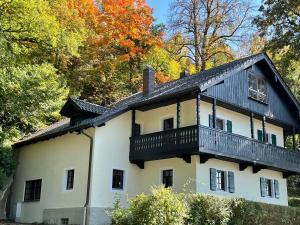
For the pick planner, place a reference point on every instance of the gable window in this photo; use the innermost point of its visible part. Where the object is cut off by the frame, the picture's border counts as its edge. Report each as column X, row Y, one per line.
column 168, row 124
column 167, row 178
column 257, row 88
column 269, row 187
column 33, row 190
column 64, row 221
column 222, row 180
column 69, row 179
column 118, row 179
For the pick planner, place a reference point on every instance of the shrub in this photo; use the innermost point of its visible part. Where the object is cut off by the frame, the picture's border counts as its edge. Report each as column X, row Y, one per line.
column 294, row 202
column 208, row 210
column 162, row 206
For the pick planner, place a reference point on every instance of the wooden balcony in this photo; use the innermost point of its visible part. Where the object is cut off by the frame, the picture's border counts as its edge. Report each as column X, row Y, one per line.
column 194, row 140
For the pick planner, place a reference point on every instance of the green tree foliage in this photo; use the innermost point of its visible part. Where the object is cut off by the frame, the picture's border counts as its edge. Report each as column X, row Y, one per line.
column 38, row 38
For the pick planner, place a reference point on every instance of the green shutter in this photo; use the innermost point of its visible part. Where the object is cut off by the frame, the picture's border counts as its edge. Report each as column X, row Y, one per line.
column 229, row 126
column 274, row 139
column 259, row 135
column 276, row 188
column 231, row 188
column 213, row 179
column 263, row 187
column 210, row 118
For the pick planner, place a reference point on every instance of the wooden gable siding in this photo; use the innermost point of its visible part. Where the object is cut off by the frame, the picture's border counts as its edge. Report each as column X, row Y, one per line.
column 235, row 90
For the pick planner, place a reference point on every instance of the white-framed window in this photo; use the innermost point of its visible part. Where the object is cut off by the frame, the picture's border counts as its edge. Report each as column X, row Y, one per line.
column 69, row 177
column 257, row 88
column 269, row 187
column 221, row 180
column 118, row 178
column 167, row 177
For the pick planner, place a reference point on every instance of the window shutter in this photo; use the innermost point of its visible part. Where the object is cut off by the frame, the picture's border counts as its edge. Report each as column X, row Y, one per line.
column 259, row 135
column 274, row 139
column 231, row 182
column 229, row 126
column 263, row 187
column 210, row 120
column 276, row 188
column 213, row 185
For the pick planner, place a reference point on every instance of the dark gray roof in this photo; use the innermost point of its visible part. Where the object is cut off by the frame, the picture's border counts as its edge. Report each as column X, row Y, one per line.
column 200, row 81
column 88, row 106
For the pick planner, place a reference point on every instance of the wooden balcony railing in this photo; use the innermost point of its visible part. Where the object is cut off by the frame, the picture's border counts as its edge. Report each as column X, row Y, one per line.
column 196, row 140
column 164, row 144
column 242, row 148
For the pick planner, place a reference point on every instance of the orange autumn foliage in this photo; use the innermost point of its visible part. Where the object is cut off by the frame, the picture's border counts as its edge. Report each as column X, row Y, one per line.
column 124, row 25
column 162, row 78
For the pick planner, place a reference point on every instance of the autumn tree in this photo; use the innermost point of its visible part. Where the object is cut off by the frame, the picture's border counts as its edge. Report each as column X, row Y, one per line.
column 121, row 34
column 209, row 27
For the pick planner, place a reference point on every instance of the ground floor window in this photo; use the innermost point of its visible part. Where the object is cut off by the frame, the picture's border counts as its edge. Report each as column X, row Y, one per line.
column 269, row 187
column 64, row 221
column 222, row 180
column 69, row 179
column 118, row 179
column 33, row 190
column 220, row 177
column 167, row 178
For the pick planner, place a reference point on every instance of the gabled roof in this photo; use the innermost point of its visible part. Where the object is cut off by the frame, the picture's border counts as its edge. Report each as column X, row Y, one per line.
column 74, row 104
column 199, row 81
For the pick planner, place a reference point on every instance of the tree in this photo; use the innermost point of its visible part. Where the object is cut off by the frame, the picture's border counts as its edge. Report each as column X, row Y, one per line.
column 280, row 22
column 207, row 26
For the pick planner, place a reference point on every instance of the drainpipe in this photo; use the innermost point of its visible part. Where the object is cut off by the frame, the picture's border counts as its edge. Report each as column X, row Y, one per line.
column 87, row 201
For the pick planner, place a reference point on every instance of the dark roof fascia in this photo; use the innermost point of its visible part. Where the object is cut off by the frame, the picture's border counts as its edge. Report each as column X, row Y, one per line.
column 65, row 107
column 52, row 135
column 282, row 82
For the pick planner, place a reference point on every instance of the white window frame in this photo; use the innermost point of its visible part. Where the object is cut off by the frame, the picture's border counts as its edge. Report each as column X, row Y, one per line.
column 65, row 177
column 161, row 175
column 171, row 116
column 251, row 73
column 124, row 180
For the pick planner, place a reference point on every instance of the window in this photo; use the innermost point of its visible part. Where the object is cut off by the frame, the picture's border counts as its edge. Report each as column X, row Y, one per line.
column 118, row 179
column 167, row 178
column 270, row 138
column 33, row 190
column 220, row 180
column 168, row 124
column 69, row 179
column 64, row 221
column 220, row 124
column 257, row 88
column 269, row 187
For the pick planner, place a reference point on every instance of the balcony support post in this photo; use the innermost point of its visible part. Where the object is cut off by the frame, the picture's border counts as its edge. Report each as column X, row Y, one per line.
column 294, row 138
column 264, row 129
column 133, row 123
column 214, row 112
column 252, row 124
column 198, row 109
column 178, row 113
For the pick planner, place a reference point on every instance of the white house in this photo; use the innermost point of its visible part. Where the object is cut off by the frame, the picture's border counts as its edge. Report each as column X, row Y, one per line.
column 221, row 131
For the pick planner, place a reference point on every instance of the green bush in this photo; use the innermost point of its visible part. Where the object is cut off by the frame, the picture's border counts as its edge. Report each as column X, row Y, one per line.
column 162, row 206
column 7, row 165
column 208, row 210
column 294, row 202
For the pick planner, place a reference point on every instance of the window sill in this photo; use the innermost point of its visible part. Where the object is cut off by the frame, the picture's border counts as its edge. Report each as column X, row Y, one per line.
column 31, row 201
column 253, row 99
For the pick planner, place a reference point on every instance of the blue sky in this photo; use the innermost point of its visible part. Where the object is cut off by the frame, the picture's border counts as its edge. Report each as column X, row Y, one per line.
column 161, row 8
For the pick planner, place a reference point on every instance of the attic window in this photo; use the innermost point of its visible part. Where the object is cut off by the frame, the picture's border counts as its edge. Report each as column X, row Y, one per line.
column 257, row 88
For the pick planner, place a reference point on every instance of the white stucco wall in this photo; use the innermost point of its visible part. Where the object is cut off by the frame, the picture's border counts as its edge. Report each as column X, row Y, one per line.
column 247, row 184
column 48, row 160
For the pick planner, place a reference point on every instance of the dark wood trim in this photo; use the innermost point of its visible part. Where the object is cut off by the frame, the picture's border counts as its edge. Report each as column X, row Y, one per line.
column 288, row 174
column 133, row 123
column 264, row 128
column 187, row 158
column 205, row 157
column 252, row 124
column 214, row 112
column 243, row 166
column 294, row 138
column 198, row 98
column 140, row 164
column 178, row 111
column 257, row 168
